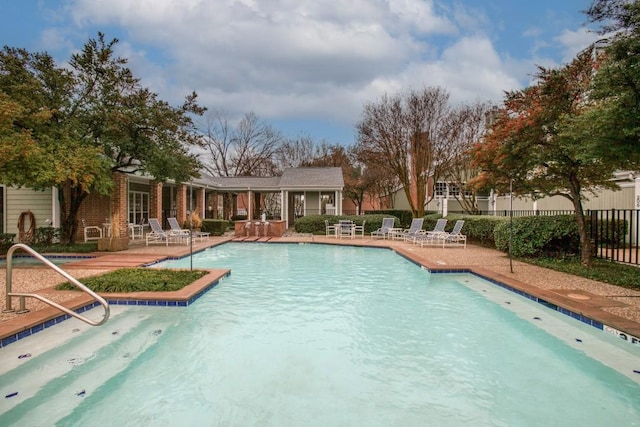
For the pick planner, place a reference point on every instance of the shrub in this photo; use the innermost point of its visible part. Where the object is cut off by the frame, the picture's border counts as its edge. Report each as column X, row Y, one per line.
column 216, row 227
column 403, row 216
column 478, row 229
column 6, row 240
column 314, row 224
column 539, row 236
column 610, row 231
column 46, row 235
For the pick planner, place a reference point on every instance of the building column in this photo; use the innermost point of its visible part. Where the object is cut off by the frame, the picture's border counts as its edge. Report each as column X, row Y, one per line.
column 119, row 214
column 155, row 201
column 200, row 198
column 181, row 204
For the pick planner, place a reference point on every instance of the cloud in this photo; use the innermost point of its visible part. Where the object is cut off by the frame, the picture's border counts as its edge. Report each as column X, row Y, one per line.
column 304, row 58
column 573, row 42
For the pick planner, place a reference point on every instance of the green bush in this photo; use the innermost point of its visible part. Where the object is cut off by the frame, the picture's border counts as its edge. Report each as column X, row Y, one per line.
column 6, row 240
column 478, row 229
column 403, row 216
column 139, row 280
column 538, row 236
column 216, row 227
column 610, row 232
column 46, row 235
column 314, row 224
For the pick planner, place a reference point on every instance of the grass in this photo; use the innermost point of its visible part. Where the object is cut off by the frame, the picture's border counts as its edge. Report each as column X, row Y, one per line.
column 138, row 280
column 623, row 275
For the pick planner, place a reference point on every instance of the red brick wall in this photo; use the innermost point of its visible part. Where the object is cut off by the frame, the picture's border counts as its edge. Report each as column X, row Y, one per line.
column 155, row 201
column 181, row 203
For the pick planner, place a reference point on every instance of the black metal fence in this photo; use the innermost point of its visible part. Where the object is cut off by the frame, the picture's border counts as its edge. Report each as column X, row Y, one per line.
column 615, row 234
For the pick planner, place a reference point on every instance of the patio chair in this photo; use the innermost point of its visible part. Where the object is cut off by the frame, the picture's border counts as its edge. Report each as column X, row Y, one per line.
column 345, row 229
column 455, row 237
column 359, row 229
column 157, row 235
column 409, row 233
column 431, row 234
column 385, row 229
column 176, row 230
column 329, row 230
column 91, row 232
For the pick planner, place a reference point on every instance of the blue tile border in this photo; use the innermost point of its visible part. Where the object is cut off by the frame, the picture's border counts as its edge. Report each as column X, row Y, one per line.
column 574, row 315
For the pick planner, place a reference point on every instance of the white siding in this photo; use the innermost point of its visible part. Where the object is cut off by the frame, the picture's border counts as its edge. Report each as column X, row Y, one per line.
column 19, row 200
column 606, row 199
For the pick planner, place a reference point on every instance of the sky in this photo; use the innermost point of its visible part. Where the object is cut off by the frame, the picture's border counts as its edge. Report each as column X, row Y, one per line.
column 307, row 67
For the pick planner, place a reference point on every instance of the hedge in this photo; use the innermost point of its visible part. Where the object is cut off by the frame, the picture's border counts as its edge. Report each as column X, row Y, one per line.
column 216, row 227
column 538, row 236
column 315, row 224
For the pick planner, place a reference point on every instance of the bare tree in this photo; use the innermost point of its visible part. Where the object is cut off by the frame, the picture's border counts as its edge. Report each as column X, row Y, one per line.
column 294, row 153
column 407, row 135
column 467, row 128
column 246, row 150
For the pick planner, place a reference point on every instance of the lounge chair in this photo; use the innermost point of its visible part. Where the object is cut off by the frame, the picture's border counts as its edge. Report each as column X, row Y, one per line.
column 91, row 232
column 385, row 229
column 431, row 234
column 455, row 237
column 409, row 233
column 329, row 230
column 176, row 230
column 158, row 236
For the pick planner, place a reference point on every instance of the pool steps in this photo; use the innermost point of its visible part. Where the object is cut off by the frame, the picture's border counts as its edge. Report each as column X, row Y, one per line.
column 76, row 369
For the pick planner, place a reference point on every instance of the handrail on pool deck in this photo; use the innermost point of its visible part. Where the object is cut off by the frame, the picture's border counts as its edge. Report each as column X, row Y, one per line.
column 60, row 271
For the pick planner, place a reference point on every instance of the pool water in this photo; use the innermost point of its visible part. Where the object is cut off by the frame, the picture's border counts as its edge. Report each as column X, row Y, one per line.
column 319, row 335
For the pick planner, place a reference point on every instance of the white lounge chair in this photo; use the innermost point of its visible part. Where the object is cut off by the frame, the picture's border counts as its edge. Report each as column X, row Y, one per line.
column 158, row 236
column 455, row 237
column 431, row 234
column 409, row 233
column 385, row 229
column 176, row 230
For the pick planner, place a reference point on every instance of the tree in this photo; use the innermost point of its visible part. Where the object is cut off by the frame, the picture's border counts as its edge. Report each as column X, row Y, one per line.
column 540, row 141
column 467, row 127
column 616, row 88
column 294, row 153
column 91, row 120
column 246, row 150
column 407, row 135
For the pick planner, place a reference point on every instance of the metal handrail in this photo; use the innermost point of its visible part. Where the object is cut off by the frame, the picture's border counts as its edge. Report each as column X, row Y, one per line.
column 60, row 271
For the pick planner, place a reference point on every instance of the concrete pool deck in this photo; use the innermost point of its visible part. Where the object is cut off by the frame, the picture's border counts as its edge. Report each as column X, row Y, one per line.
column 611, row 305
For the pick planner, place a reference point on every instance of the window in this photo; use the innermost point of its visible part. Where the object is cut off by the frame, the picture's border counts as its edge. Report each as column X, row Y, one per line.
column 138, row 207
column 441, row 189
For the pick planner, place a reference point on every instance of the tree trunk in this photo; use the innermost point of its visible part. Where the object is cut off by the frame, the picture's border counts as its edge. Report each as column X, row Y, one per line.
column 70, row 210
column 586, row 254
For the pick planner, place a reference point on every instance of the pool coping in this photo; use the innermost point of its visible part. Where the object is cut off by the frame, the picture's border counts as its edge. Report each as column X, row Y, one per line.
column 36, row 321
column 587, row 311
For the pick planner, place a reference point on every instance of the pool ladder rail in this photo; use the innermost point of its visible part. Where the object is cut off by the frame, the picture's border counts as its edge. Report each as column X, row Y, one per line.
column 60, row 271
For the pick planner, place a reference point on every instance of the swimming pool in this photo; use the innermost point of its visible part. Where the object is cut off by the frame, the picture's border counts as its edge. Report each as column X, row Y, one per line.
column 329, row 335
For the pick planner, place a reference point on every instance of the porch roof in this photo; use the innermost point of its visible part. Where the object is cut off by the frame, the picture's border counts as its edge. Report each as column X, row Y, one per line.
column 317, row 178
